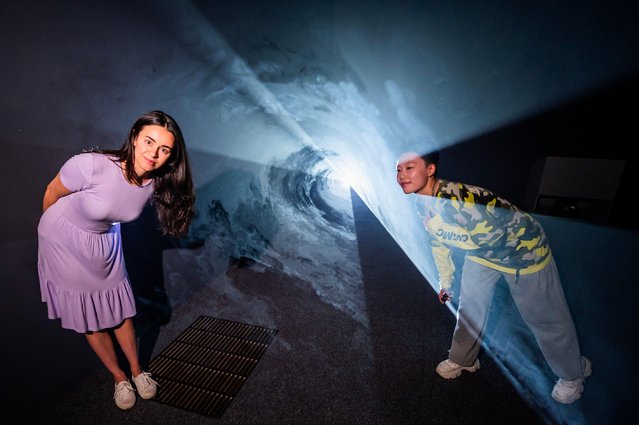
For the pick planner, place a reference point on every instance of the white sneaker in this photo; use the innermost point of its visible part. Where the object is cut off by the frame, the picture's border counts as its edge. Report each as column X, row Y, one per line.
column 448, row 369
column 124, row 395
column 146, row 386
column 567, row 392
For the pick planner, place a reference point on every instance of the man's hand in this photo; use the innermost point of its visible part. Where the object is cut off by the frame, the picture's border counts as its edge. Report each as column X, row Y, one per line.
column 445, row 295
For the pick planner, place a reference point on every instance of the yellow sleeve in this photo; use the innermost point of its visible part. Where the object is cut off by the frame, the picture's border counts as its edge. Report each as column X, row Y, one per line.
column 444, row 262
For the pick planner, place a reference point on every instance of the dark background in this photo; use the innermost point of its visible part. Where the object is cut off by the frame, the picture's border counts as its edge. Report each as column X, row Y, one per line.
column 75, row 73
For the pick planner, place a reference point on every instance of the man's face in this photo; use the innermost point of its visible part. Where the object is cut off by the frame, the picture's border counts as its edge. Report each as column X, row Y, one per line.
column 413, row 173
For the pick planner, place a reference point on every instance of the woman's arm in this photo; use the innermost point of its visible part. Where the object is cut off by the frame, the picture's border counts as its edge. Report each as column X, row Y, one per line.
column 55, row 190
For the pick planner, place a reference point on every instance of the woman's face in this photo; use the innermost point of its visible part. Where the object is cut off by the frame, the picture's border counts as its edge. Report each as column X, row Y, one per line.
column 413, row 173
column 152, row 149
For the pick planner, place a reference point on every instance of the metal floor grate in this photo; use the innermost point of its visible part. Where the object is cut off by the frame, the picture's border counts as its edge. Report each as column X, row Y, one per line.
column 207, row 364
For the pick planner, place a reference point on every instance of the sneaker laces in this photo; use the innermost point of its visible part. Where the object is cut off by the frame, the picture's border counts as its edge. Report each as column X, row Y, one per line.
column 571, row 384
column 448, row 364
column 123, row 386
column 145, row 378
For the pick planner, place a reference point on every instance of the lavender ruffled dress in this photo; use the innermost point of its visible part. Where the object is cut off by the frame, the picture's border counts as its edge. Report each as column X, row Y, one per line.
column 83, row 278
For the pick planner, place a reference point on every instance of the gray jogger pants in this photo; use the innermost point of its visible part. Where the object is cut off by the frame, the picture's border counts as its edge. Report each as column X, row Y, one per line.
column 540, row 300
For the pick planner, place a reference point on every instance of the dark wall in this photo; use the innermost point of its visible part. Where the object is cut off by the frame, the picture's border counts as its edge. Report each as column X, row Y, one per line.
column 599, row 125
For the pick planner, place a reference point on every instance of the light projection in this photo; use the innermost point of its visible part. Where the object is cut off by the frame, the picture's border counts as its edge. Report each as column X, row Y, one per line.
column 297, row 121
column 288, row 107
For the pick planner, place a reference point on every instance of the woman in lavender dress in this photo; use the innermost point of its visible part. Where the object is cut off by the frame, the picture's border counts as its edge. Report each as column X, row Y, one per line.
column 83, row 278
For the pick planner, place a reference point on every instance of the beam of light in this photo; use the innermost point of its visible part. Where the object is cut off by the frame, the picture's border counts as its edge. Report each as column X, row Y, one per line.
column 305, row 109
column 269, row 119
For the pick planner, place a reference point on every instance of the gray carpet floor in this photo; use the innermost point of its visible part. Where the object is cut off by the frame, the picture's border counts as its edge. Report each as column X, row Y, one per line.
column 323, row 367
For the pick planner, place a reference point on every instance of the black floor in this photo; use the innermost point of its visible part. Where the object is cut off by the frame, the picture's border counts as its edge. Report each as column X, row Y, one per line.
column 323, row 367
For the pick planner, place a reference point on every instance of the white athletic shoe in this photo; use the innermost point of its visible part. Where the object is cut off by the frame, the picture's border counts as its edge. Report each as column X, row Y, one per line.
column 567, row 392
column 124, row 395
column 448, row 369
column 146, row 386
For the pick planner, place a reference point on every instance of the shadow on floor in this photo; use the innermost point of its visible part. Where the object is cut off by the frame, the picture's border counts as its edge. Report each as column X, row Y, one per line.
column 324, row 367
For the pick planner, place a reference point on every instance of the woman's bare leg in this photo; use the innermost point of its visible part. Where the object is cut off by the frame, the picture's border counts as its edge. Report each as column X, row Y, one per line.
column 102, row 344
column 125, row 334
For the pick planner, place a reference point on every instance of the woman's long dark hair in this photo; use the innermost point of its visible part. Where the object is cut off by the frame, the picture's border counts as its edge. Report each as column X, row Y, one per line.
column 174, row 196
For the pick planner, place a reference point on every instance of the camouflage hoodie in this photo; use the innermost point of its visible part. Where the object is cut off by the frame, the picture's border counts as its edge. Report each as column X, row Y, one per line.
column 489, row 228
